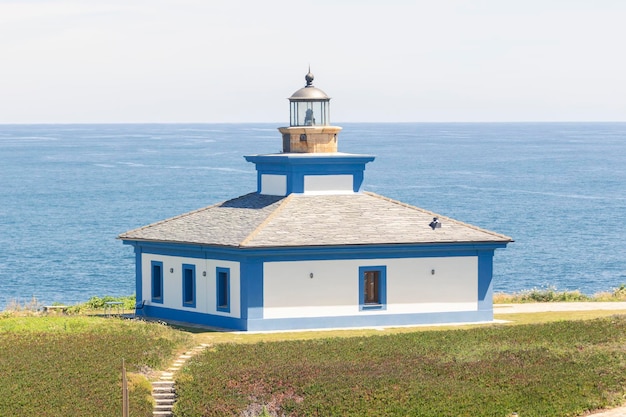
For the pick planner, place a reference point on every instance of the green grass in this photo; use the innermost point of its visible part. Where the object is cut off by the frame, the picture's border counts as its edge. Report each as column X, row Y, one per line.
column 538, row 364
column 71, row 366
column 561, row 368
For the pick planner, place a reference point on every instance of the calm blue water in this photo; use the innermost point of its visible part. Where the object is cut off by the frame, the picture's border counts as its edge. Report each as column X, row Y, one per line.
column 67, row 191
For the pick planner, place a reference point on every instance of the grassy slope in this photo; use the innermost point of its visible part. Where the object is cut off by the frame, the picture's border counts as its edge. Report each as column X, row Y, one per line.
column 556, row 368
column 71, row 366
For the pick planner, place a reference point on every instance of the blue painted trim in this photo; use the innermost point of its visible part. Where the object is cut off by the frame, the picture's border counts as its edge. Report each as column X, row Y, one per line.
column 220, row 288
column 238, row 254
column 368, row 320
column 192, row 268
column 251, row 289
column 315, row 161
column 296, row 166
column 158, row 280
column 388, row 320
column 203, row 319
column 382, row 288
column 138, row 276
column 485, row 281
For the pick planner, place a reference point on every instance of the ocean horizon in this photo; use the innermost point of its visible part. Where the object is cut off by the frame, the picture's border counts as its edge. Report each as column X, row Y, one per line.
column 68, row 190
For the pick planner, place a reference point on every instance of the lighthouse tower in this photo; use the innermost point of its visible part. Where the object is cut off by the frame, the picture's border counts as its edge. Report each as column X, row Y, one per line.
column 309, row 128
column 309, row 162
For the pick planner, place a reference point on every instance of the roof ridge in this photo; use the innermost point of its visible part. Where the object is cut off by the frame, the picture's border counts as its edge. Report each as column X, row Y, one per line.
column 189, row 213
column 273, row 214
column 471, row 226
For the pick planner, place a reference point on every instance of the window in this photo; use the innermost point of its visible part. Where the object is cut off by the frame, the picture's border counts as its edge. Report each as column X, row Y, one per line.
column 223, row 289
column 372, row 287
column 189, row 285
column 157, row 281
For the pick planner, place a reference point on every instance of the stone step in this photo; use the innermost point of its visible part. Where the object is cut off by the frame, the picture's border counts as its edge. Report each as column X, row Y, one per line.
column 162, row 390
column 169, row 385
column 165, row 401
column 162, row 414
column 162, row 401
column 164, row 395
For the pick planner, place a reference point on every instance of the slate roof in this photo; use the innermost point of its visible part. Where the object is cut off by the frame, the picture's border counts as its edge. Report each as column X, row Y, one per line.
column 261, row 221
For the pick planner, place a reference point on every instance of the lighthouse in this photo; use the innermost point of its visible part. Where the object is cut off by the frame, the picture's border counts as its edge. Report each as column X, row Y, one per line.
column 309, row 248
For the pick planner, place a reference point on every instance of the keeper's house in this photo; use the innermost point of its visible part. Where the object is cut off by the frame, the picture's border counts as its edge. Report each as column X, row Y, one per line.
column 310, row 249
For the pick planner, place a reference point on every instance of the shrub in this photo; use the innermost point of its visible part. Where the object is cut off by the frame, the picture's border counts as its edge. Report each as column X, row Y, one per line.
column 550, row 294
column 28, row 308
column 97, row 303
column 617, row 294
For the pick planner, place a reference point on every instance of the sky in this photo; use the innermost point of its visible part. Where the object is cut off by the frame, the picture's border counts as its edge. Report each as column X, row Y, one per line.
column 236, row 61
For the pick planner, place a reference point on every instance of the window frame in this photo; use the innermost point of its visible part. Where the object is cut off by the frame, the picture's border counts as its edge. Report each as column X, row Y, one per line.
column 192, row 268
column 156, row 280
column 220, row 287
column 382, row 288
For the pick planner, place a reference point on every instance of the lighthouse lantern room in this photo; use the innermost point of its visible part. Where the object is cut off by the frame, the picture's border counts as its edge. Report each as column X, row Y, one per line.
column 309, row 128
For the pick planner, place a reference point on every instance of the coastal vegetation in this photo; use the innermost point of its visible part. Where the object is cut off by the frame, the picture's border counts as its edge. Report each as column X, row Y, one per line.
column 562, row 368
column 551, row 294
column 542, row 364
column 61, row 365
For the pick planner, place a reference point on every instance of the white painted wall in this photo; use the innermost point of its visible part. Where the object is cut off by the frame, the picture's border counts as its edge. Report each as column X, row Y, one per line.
column 334, row 289
column 205, row 286
column 272, row 184
column 328, row 184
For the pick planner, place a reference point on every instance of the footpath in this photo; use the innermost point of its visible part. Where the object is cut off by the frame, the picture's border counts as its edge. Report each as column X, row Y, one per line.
column 545, row 307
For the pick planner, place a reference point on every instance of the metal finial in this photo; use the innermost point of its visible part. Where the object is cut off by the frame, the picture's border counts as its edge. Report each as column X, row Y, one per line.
column 309, row 78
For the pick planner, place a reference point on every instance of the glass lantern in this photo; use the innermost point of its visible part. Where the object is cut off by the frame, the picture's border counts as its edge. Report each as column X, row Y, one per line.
column 310, row 106
column 309, row 113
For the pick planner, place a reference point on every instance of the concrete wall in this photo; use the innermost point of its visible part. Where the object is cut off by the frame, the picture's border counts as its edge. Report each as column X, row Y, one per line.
column 290, row 292
column 328, row 184
column 206, row 299
column 273, row 184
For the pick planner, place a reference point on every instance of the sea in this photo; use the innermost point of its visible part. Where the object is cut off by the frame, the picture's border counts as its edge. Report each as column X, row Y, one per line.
column 68, row 191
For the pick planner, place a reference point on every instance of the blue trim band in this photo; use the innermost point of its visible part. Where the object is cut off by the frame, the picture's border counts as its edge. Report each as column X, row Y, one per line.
column 222, row 289
column 381, row 287
column 239, row 254
column 202, row 319
column 485, row 281
column 296, row 166
column 138, row 276
column 251, row 285
column 189, row 288
column 156, row 282
column 389, row 320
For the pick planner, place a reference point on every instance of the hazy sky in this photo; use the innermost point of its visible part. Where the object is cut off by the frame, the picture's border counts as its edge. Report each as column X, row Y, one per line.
column 64, row 61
